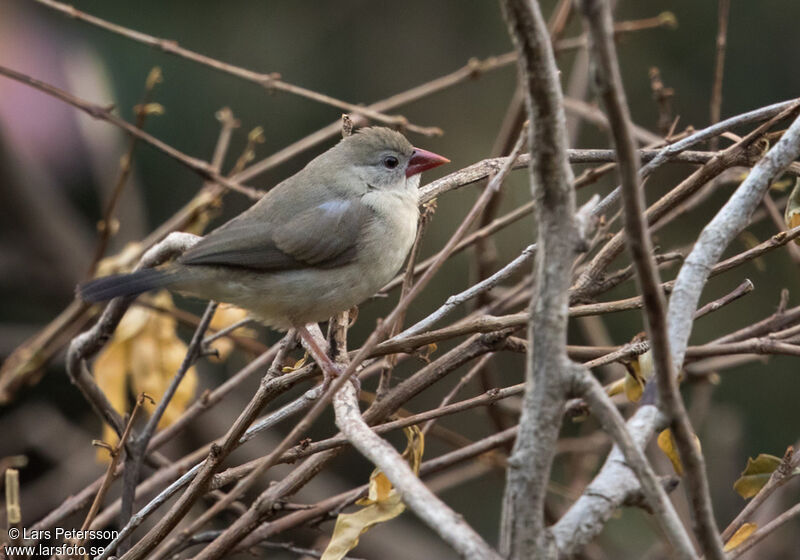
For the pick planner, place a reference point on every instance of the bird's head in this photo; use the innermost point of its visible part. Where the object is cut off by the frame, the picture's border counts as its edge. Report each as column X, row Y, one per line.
column 385, row 159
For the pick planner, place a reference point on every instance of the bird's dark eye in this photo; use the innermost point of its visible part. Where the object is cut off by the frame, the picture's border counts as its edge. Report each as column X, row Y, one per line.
column 390, row 162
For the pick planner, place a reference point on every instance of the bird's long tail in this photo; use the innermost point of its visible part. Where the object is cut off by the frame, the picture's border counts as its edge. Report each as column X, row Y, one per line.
column 135, row 283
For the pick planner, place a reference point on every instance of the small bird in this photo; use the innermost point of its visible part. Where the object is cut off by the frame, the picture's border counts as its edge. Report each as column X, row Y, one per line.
column 318, row 243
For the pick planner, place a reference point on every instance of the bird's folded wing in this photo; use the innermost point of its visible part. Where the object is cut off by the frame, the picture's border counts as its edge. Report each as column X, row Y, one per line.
column 324, row 236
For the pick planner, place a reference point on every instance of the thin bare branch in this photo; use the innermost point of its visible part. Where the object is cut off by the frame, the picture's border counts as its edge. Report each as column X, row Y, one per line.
column 270, row 81
column 200, row 167
column 719, row 64
column 598, row 16
column 439, row 517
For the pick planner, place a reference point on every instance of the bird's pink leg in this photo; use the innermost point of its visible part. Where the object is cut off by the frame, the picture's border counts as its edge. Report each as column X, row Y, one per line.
column 328, row 367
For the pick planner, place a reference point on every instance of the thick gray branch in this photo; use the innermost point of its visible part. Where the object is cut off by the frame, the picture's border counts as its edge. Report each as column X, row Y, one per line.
column 523, row 533
column 424, row 503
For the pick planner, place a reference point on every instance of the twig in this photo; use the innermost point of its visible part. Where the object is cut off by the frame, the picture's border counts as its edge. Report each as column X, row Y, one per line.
column 489, row 323
column 595, row 116
column 116, row 454
column 750, row 346
column 204, row 403
column 757, row 115
column 496, row 278
column 268, row 81
column 23, row 364
column 34, row 353
column 264, row 505
column 741, row 290
column 106, row 226
column 472, row 70
column 663, row 98
column 485, row 254
column 139, row 444
column 200, row 167
column 77, row 501
column 439, row 517
column 598, row 16
column 13, row 506
column 477, row 369
column 336, row 502
column 205, row 471
column 166, row 524
column 589, row 513
column 728, row 222
column 779, row 477
column 385, row 379
column 614, row 424
column 227, row 330
column 190, row 461
column 765, row 531
column 719, row 65
column 89, row 343
column 457, row 299
column 305, row 450
column 484, row 168
column 610, row 486
column 743, row 152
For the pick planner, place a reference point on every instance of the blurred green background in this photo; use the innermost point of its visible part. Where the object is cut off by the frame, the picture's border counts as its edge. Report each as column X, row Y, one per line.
column 56, row 165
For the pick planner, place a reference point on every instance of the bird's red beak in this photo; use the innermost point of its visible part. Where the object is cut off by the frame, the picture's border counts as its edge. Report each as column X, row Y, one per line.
column 422, row 160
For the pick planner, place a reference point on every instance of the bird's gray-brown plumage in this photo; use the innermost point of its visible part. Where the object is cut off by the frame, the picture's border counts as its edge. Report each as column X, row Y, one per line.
column 320, row 242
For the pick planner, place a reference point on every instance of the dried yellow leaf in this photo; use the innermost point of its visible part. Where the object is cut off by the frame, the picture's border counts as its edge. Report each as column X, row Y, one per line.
column 666, row 442
column 634, row 387
column 427, row 351
column 634, row 380
column 297, row 365
column 756, row 474
column 414, row 448
column 134, row 322
column 149, row 109
column 145, row 352
column 741, row 535
column 154, row 77
column 121, row 262
column 226, row 316
column 382, row 503
column 646, row 367
column 379, row 489
column 109, row 372
column 792, row 213
column 350, row 526
column 668, row 19
column 616, row 387
column 153, row 364
column 782, row 185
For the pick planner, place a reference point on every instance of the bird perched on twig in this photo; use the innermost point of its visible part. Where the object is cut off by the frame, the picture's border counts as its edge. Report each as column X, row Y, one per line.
column 318, row 243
